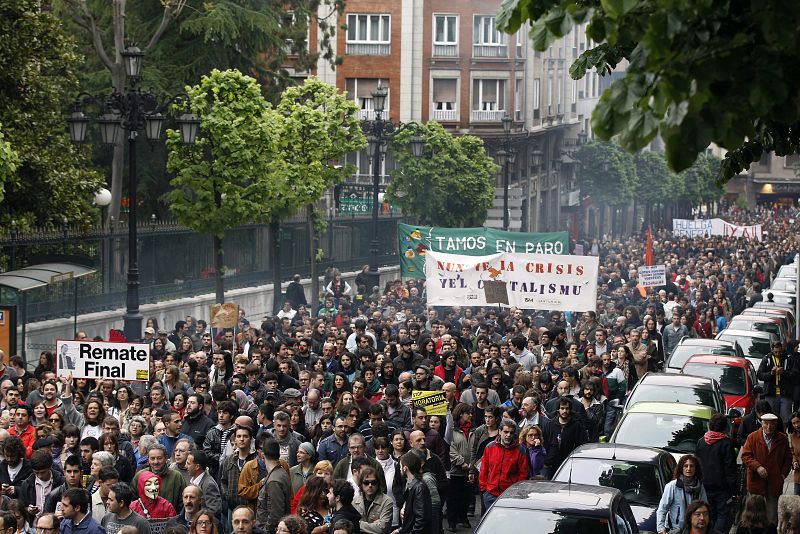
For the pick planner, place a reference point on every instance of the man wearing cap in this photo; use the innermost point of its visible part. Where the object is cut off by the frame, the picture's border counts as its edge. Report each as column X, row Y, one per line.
column 169, row 346
column 149, row 335
column 768, row 459
column 292, row 397
column 275, row 497
column 779, row 374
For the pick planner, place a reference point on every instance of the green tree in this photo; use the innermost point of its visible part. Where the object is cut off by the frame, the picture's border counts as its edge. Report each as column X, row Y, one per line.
column 700, row 186
column 608, row 174
column 319, row 127
column 232, row 175
column 184, row 39
column 656, row 183
column 51, row 178
column 451, row 185
column 697, row 72
column 9, row 161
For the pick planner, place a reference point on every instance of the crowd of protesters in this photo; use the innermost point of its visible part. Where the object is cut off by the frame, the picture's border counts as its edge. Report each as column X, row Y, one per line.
column 304, row 424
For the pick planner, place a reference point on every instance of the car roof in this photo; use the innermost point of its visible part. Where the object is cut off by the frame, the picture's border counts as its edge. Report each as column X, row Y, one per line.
column 718, row 359
column 675, row 379
column 704, row 342
column 617, row 451
column 673, row 408
column 747, row 333
column 560, row 496
column 759, row 318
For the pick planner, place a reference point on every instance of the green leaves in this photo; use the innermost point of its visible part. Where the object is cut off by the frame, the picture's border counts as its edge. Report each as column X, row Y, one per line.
column 9, row 161
column 451, row 184
column 698, row 71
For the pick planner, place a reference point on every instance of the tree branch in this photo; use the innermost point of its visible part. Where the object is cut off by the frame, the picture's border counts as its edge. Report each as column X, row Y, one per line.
column 169, row 15
column 83, row 17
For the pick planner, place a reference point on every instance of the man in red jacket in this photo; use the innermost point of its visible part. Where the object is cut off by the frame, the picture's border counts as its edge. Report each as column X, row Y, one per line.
column 23, row 429
column 502, row 465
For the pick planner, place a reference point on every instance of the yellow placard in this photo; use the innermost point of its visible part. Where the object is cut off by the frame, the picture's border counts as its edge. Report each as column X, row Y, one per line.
column 434, row 402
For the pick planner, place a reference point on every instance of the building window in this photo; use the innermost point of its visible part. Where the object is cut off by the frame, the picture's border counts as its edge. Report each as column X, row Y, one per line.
column 368, row 35
column 360, row 90
column 445, row 35
column 520, row 38
column 519, row 99
column 791, row 161
column 488, row 99
column 445, row 99
column 487, row 40
column 537, row 88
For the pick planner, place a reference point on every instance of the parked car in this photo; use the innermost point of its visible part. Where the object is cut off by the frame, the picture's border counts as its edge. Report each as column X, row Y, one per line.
column 559, row 508
column 755, row 344
column 672, row 426
column 736, row 376
column 773, row 325
column 689, row 346
column 786, row 317
column 788, row 285
column 787, row 271
column 683, row 388
column 781, row 297
column 640, row 473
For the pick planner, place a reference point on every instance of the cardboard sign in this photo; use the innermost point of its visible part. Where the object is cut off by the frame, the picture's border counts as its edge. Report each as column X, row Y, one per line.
column 224, row 315
column 434, row 402
column 101, row 359
column 495, row 292
column 652, row 275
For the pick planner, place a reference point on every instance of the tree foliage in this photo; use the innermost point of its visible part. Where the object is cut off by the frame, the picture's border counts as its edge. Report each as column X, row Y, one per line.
column 608, row 173
column 234, row 162
column 698, row 72
column 50, row 178
column 451, row 185
column 319, row 126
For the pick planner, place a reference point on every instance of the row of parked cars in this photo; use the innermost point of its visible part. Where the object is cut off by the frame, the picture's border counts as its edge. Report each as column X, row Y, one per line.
column 615, row 487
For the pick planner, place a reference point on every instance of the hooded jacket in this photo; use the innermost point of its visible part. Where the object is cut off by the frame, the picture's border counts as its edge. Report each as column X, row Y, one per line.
column 158, row 508
column 501, row 467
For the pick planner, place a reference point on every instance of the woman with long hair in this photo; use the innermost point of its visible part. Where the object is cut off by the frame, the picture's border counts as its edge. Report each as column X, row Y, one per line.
column 345, row 399
column 204, row 523
column 124, row 466
column 173, row 382
column 135, row 405
column 313, row 505
column 348, row 366
column 427, row 348
column 56, row 420
column 158, row 351
column 685, row 487
column 292, row 524
column 72, row 439
column 405, row 389
column 297, row 421
column 623, row 358
column 340, row 385
column 324, row 424
column 39, row 413
column 754, row 517
column 399, row 444
column 184, row 350
column 655, row 337
column 47, row 363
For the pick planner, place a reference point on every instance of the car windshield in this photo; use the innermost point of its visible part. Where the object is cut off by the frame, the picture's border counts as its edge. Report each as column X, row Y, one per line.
column 638, row 482
column 675, row 433
column 783, row 285
column 755, row 347
column 684, row 395
column 732, row 380
column 545, row 521
column 744, row 324
column 684, row 352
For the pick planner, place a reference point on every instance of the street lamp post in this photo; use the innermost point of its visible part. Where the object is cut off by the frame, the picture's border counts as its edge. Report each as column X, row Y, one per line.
column 131, row 109
column 505, row 158
column 379, row 132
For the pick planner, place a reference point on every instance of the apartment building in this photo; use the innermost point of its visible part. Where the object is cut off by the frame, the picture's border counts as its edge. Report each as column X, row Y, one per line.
column 445, row 61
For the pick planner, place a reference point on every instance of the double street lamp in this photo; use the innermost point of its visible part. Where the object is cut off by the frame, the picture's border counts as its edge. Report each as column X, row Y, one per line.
column 132, row 109
column 379, row 132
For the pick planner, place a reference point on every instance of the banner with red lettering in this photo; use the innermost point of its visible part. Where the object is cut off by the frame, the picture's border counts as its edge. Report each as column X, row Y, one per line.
column 714, row 227
column 526, row 281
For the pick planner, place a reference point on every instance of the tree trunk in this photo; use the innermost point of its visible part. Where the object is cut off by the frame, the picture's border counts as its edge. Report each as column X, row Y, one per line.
column 275, row 242
column 118, row 160
column 313, row 257
column 218, row 266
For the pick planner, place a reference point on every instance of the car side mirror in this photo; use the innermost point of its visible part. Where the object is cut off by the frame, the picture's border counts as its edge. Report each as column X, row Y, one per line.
column 603, row 439
column 734, row 413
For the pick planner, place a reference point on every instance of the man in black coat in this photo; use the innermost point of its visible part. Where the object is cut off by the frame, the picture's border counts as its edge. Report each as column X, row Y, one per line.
column 295, row 293
column 418, row 515
column 561, row 437
column 720, row 474
column 45, row 476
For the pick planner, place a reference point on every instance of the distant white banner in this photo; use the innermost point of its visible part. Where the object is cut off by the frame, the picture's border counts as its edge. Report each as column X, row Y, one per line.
column 527, row 281
column 99, row 359
column 714, row 227
column 652, row 275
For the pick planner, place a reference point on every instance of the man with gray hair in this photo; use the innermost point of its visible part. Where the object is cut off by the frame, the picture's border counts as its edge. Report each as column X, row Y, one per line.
column 172, row 482
column 183, row 447
column 312, row 409
column 358, row 449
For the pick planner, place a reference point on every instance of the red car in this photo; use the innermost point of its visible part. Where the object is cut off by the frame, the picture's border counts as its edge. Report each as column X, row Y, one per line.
column 736, row 376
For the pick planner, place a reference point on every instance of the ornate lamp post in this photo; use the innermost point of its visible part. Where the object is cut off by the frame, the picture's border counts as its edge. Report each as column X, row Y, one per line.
column 131, row 109
column 379, row 132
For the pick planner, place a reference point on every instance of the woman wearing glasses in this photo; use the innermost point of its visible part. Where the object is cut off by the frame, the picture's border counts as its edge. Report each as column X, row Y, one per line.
column 204, row 523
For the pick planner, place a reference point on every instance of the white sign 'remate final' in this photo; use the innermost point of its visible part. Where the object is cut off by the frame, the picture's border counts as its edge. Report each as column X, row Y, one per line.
column 101, row 359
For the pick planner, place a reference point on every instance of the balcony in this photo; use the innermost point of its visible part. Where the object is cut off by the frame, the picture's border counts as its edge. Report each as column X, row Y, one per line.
column 498, row 51
column 368, row 114
column 487, row 116
column 445, row 50
column 445, row 115
column 368, row 49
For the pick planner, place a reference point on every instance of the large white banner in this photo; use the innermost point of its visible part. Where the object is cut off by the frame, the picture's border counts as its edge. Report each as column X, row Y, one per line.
column 527, row 281
column 652, row 275
column 714, row 227
column 100, row 359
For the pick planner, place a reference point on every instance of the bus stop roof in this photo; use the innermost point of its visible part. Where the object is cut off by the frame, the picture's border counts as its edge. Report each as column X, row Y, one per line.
column 42, row 274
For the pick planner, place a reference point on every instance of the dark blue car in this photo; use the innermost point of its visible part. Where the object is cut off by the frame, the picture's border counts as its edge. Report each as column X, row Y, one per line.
column 640, row 473
column 558, row 508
